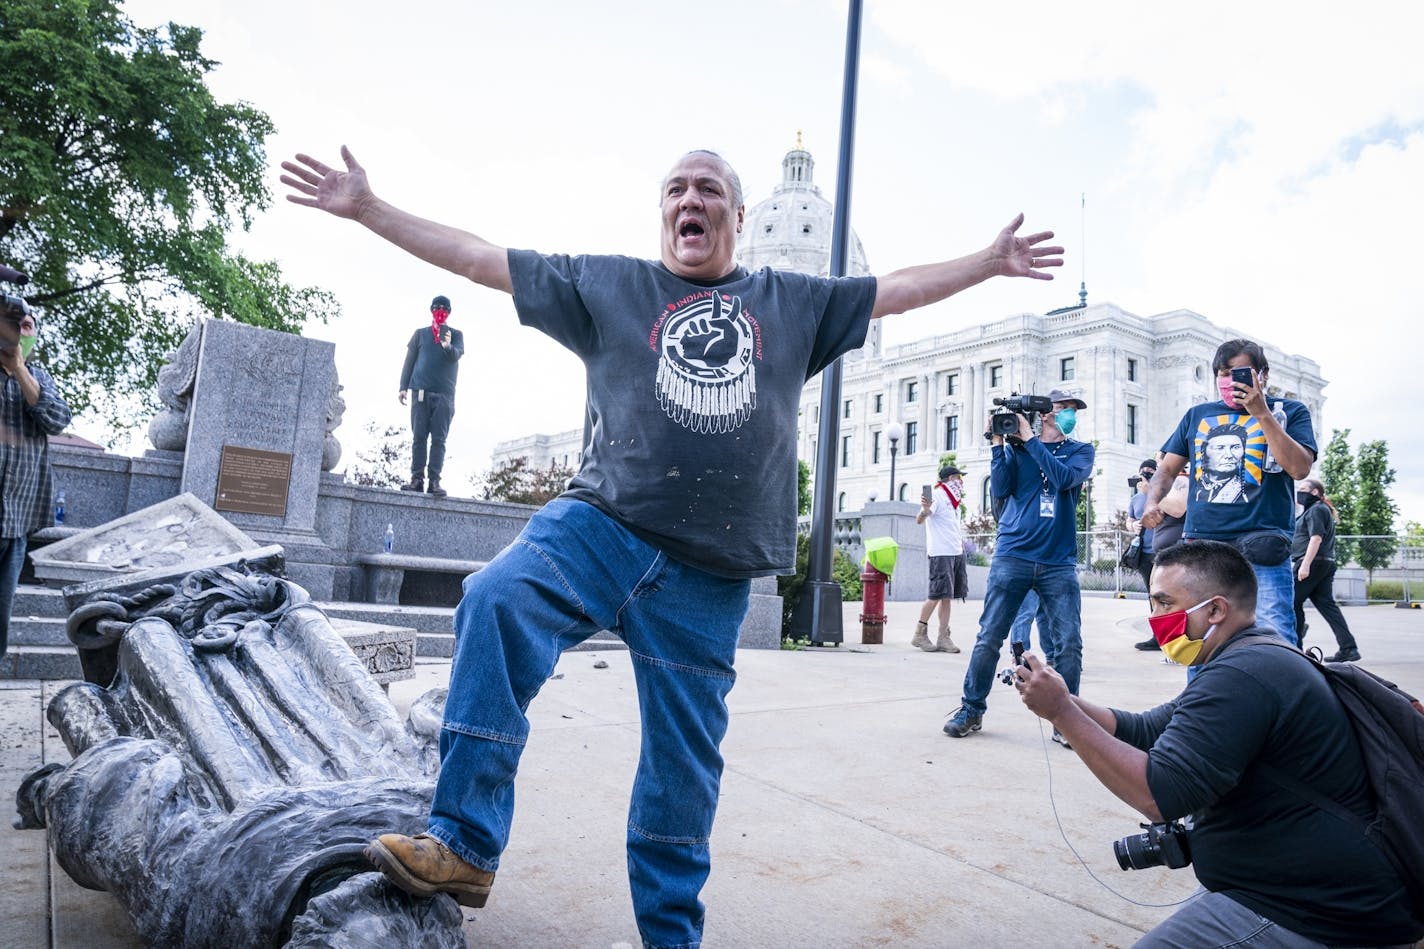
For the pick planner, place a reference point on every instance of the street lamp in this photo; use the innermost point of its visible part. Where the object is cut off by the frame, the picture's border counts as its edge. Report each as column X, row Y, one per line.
column 894, row 431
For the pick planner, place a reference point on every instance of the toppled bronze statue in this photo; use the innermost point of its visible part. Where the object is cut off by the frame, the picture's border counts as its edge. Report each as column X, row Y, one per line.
column 231, row 759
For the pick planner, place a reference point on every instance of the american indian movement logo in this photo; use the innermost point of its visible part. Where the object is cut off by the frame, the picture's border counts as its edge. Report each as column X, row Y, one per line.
column 707, row 347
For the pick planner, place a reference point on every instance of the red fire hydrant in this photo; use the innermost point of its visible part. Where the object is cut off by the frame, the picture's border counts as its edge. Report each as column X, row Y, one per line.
column 872, row 593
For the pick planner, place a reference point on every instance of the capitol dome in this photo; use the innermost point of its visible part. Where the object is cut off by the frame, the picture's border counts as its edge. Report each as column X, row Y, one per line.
column 791, row 230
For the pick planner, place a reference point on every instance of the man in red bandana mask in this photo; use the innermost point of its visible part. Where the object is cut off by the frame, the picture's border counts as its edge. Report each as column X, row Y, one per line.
column 1278, row 870
column 432, row 358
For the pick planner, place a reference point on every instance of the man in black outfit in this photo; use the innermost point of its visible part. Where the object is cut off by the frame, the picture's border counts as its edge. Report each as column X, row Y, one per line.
column 432, row 358
column 1313, row 556
column 1278, row 870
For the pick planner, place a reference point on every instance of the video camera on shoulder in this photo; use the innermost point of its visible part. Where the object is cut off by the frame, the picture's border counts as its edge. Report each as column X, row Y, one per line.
column 1005, row 420
column 13, row 309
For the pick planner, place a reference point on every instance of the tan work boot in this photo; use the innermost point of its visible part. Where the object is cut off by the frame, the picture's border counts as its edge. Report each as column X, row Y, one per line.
column 423, row 866
column 944, row 643
column 922, row 636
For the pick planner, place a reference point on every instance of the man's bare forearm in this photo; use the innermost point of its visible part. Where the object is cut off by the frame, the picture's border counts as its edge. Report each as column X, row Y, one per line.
column 1120, row 767
column 448, row 248
column 921, row 285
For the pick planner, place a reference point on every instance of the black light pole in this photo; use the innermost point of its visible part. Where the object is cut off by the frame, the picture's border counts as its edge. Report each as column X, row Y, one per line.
column 818, row 612
column 894, row 432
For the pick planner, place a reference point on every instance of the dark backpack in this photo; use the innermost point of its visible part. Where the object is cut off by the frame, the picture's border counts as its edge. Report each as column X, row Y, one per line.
column 1389, row 724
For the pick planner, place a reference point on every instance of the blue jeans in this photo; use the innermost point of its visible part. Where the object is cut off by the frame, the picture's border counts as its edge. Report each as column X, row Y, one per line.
column 12, row 561
column 571, row 572
column 1275, row 604
column 1010, row 580
column 1214, row 921
column 1275, row 600
column 1022, row 631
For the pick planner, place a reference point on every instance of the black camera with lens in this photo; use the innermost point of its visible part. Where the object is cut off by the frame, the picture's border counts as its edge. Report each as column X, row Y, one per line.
column 1163, row 845
column 1006, row 676
column 1005, row 420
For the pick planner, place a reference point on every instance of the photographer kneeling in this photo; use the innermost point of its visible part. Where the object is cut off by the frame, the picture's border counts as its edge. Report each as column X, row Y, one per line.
column 1278, row 871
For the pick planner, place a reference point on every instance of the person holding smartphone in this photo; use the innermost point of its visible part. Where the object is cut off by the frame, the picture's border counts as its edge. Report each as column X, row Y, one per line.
column 944, row 544
column 1243, row 454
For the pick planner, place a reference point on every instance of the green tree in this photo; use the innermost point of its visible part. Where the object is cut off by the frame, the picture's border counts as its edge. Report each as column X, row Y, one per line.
column 1337, row 474
column 1375, row 510
column 385, row 460
column 522, row 483
column 803, row 488
column 120, row 177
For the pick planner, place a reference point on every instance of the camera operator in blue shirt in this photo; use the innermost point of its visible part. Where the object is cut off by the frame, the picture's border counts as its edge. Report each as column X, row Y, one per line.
column 1039, row 476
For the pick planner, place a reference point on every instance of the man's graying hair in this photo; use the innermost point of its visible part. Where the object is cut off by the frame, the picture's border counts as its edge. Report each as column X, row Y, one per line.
column 732, row 178
column 1213, row 569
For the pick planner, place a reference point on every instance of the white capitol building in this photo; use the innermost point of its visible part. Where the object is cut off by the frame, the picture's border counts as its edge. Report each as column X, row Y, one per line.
column 1137, row 374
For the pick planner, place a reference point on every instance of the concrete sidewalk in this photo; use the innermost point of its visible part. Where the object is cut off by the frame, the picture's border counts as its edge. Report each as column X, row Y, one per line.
column 847, row 818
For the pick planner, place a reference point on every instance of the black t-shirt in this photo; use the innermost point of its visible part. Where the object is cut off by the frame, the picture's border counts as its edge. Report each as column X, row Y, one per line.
column 1314, row 520
column 1253, row 840
column 693, row 392
column 430, row 366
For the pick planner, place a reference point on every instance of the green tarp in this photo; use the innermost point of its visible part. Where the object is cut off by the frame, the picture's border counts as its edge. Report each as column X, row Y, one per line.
column 880, row 553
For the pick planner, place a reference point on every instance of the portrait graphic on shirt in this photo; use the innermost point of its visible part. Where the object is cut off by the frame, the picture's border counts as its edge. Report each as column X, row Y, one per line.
column 707, row 348
column 1228, row 452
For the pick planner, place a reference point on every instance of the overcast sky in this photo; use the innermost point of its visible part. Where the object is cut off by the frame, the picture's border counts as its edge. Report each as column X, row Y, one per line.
column 1260, row 164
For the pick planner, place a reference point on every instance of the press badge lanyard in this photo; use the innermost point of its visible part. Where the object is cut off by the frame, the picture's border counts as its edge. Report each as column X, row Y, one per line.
column 1047, row 501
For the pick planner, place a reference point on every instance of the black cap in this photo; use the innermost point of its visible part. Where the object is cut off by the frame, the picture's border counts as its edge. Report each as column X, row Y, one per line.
column 949, row 471
column 1149, row 463
column 440, row 303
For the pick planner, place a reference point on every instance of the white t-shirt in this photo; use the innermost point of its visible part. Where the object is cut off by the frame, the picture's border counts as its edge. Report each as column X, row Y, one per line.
column 944, row 532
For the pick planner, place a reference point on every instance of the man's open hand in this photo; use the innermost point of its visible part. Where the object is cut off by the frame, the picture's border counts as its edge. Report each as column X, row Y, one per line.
column 342, row 193
column 1021, row 256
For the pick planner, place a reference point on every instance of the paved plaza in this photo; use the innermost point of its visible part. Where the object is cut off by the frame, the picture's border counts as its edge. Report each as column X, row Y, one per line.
column 847, row 818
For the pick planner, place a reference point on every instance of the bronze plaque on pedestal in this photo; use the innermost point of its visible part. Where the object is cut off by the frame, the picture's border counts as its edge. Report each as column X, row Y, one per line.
column 252, row 481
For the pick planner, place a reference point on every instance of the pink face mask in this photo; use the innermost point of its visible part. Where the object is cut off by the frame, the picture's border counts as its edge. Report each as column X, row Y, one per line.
column 1227, row 389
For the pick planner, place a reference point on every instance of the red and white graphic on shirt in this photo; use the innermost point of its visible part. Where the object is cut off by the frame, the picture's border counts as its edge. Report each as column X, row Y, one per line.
column 707, row 348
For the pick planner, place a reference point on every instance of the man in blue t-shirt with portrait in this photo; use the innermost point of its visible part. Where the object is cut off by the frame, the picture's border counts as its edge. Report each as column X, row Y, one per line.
column 1244, row 454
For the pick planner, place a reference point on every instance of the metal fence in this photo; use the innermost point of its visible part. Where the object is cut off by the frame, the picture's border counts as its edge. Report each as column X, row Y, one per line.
column 1370, row 568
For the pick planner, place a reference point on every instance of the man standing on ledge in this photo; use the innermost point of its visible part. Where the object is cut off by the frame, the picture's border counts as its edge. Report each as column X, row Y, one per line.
column 432, row 358
column 687, row 490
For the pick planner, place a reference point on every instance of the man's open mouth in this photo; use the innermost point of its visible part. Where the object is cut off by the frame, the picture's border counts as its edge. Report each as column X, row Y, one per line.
column 690, row 229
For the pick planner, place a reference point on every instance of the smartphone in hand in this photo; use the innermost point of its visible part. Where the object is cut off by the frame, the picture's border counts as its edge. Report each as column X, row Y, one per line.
column 1244, row 375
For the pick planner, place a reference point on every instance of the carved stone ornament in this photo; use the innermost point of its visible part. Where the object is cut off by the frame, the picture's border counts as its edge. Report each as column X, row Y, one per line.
column 168, row 430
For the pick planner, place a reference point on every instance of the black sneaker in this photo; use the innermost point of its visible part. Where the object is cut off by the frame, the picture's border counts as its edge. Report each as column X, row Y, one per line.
column 1147, row 645
column 435, row 490
column 962, row 722
column 415, row 484
column 1345, row 655
column 1058, row 737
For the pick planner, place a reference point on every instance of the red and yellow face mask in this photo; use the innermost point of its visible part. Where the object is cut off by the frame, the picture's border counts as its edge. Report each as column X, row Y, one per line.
column 1170, row 629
